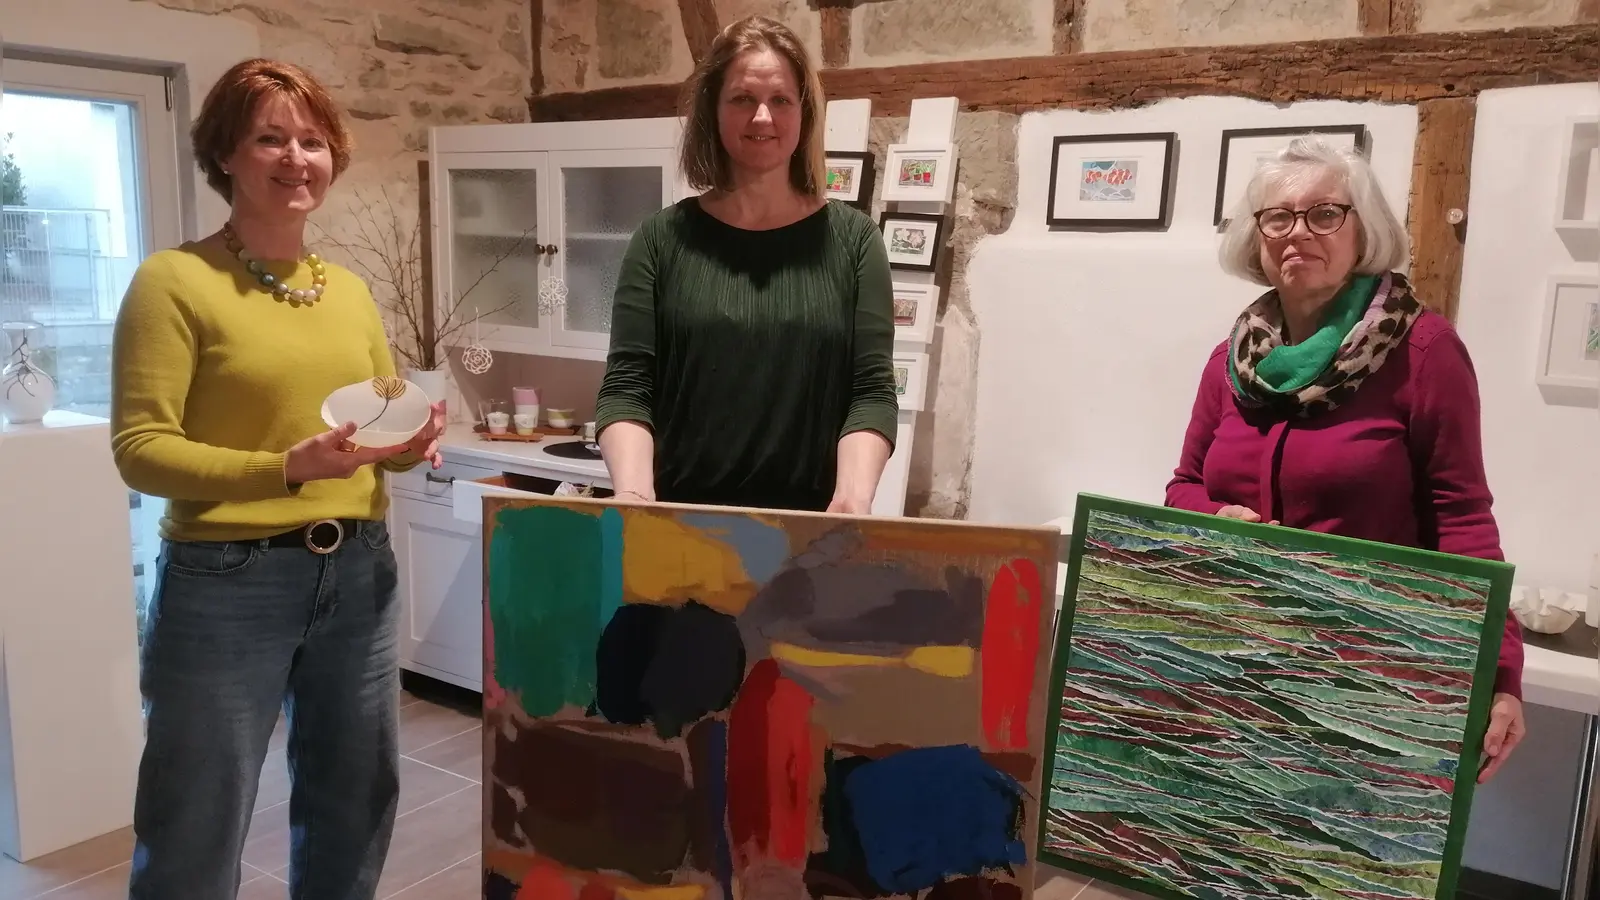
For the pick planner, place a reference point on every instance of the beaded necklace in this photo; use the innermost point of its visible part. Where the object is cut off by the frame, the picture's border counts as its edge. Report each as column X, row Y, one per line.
column 275, row 285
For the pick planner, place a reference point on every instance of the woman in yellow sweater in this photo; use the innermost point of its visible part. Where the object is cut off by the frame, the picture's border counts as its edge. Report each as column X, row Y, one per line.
column 277, row 581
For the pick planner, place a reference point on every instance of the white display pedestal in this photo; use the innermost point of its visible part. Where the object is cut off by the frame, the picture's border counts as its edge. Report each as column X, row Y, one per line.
column 71, row 725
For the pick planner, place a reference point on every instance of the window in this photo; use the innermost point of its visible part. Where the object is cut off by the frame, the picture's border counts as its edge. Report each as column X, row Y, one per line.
column 88, row 189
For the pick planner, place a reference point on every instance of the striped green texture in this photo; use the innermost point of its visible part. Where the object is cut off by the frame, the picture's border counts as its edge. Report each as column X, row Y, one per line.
column 1250, row 711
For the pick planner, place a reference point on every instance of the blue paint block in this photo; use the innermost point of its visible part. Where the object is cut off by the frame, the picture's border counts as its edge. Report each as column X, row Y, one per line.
column 931, row 813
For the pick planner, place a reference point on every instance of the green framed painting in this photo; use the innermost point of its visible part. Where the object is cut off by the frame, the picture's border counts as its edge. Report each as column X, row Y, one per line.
column 1246, row 710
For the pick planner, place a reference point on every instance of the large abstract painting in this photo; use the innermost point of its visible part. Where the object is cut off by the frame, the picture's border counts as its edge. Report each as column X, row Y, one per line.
column 1249, row 711
column 695, row 703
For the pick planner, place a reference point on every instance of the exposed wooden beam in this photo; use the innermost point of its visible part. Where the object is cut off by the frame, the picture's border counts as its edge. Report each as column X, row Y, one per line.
column 700, row 26
column 1067, row 34
column 536, row 50
column 1441, row 175
column 1395, row 69
column 835, row 16
column 424, row 223
column 1372, row 17
column 1402, row 16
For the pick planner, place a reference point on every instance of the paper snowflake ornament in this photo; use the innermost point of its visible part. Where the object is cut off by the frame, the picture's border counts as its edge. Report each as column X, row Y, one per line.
column 552, row 296
column 477, row 359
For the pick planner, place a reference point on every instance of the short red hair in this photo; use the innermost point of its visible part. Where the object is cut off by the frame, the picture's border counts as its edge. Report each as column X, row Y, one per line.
column 230, row 109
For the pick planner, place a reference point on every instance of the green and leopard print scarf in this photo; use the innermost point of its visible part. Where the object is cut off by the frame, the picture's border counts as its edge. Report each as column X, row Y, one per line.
column 1369, row 318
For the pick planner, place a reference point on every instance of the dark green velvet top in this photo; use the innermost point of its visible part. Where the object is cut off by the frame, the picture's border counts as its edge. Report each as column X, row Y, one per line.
column 749, row 354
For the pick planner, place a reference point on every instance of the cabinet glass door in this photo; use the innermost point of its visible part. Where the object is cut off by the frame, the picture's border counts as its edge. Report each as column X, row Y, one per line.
column 602, row 197
column 494, row 262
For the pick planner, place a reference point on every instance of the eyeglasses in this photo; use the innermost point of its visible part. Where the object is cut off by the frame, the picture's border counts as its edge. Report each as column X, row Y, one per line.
column 1324, row 218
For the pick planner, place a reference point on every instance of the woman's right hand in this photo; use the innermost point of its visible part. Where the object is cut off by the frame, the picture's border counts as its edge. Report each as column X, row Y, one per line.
column 1242, row 513
column 321, row 457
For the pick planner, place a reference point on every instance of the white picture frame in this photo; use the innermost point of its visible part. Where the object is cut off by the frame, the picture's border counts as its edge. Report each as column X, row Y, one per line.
column 915, row 308
column 1568, row 370
column 912, row 240
column 920, row 173
column 1578, row 184
column 911, row 379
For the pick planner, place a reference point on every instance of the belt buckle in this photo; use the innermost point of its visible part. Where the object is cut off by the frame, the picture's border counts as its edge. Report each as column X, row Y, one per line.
column 323, row 550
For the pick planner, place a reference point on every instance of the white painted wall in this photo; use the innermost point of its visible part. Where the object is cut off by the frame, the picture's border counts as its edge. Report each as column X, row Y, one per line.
column 1092, row 344
column 121, row 32
column 1540, row 457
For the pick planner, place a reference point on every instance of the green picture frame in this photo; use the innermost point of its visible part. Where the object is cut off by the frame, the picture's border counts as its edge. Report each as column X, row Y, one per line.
column 1386, row 575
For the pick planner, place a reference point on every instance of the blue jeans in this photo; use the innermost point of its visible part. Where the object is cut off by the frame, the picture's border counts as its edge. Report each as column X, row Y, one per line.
column 234, row 632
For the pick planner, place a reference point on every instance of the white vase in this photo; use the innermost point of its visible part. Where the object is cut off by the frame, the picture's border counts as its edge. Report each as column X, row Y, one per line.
column 26, row 392
column 434, row 382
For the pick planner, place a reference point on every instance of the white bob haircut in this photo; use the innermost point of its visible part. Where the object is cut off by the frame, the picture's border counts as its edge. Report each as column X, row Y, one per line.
column 1381, row 239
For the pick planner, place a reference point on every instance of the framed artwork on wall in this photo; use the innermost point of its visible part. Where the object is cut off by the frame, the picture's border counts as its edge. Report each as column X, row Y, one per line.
column 915, row 307
column 1111, row 180
column 912, row 239
column 849, row 177
column 1230, row 696
column 1569, row 341
column 1244, row 148
column 911, row 380
column 920, row 174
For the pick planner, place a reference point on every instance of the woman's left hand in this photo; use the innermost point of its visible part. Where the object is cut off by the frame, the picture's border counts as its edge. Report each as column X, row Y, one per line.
column 1506, row 730
column 426, row 442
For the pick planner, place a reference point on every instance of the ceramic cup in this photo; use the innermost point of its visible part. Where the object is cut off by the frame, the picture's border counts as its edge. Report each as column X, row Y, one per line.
column 588, row 432
column 525, row 422
column 560, row 418
column 498, row 421
column 526, row 400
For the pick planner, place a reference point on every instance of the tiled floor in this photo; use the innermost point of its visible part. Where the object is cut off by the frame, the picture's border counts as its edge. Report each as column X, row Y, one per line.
column 435, row 852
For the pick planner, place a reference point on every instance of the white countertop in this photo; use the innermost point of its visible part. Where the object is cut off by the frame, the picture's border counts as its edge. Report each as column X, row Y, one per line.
column 461, row 441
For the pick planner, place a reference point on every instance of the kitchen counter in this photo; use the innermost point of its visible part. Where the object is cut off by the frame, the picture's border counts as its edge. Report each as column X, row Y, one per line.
column 462, row 444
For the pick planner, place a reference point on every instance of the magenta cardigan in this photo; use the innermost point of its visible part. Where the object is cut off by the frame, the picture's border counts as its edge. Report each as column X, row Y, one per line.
column 1401, row 462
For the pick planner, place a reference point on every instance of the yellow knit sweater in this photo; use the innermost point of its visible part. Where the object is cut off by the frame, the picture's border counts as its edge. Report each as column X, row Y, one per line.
column 213, row 380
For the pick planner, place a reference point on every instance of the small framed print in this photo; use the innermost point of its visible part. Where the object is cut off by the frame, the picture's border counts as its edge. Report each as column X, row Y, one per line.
column 920, row 174
column 912, row 239
column 911, row 380
column 848, row 178
column 1243, row 149
column 1569, row 341
column 915, row 306
column 1111, row 180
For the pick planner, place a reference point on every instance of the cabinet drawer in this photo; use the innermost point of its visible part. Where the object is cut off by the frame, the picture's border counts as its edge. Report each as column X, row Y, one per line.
column 467, row 496
column 429, row 482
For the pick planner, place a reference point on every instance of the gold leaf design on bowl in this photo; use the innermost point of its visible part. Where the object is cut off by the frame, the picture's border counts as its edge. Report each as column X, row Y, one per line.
column 389, row 387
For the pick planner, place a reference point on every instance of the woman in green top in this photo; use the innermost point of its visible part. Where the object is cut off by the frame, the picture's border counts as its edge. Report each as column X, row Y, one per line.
column 753, row 329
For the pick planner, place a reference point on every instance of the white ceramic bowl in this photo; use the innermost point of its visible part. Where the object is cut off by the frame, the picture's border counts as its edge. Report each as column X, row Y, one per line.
column 383, row 423
column 559, row 418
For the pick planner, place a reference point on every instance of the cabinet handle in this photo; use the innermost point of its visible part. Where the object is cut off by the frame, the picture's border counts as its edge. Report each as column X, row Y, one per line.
column 448, row 479
column 551, row 249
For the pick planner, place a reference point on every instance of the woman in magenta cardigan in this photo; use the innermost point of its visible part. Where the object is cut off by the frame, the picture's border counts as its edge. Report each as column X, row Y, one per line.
column 1339, row 403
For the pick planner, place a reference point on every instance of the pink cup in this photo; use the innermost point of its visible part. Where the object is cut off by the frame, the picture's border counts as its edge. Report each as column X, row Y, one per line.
column 525, row 396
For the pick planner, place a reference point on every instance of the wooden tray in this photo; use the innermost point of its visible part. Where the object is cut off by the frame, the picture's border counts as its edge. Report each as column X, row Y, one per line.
column 539, row 434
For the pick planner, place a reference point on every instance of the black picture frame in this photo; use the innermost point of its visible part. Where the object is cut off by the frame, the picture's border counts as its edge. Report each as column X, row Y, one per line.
column 864, row 185
column 1359, row 131
column 1157, row 222
column 936, row 219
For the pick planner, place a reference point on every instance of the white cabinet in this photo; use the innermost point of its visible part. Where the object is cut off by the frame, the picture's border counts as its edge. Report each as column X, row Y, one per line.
column 530, row 224
column 440, row 561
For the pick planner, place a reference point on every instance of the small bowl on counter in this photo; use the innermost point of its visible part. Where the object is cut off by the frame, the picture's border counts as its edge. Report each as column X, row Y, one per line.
column 559, row 418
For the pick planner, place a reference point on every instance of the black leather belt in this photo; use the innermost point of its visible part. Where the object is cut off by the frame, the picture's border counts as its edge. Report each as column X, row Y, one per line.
column 322, row 536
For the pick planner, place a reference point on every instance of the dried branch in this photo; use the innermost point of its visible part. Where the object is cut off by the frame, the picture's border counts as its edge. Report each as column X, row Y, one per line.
column 383, row 250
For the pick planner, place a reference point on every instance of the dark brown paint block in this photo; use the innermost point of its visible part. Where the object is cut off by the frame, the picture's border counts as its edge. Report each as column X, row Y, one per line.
column 596, row 802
